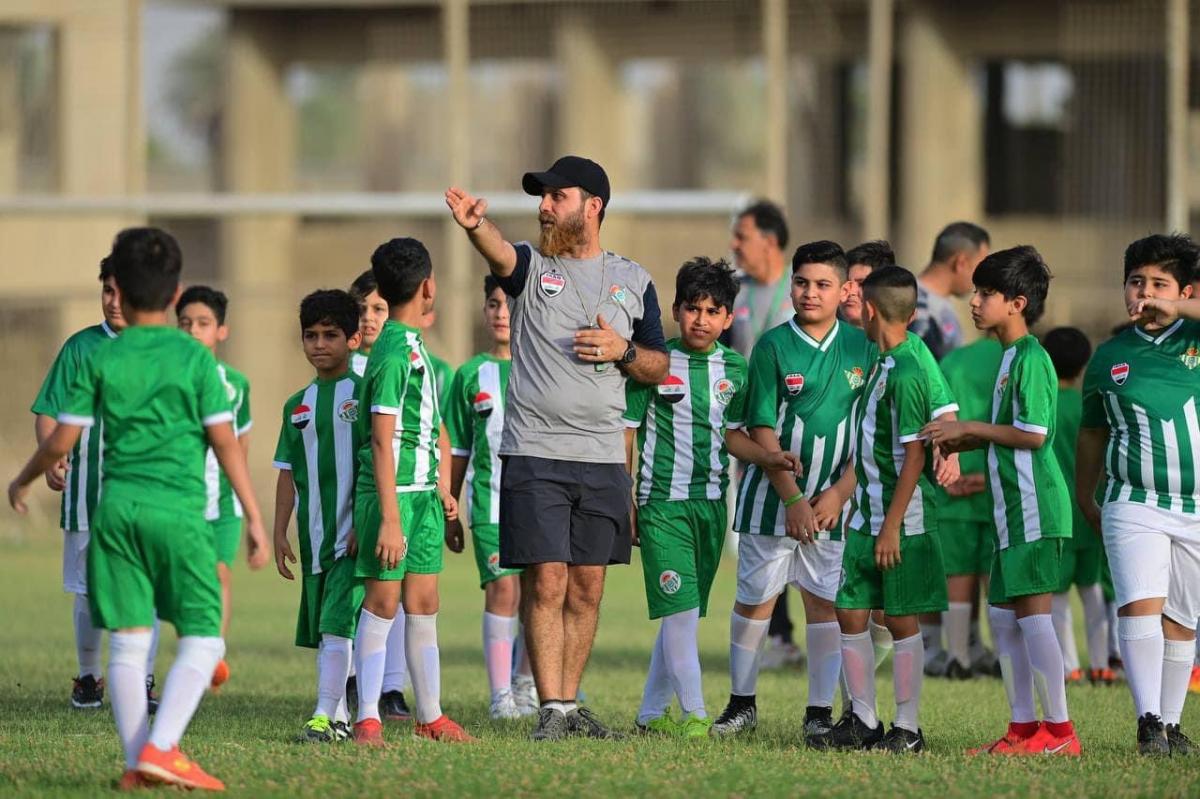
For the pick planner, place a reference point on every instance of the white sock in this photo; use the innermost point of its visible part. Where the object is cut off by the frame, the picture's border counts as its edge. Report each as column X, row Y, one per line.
column 858, row 659
column 333, row 669
column 499, row 634
column 1095, row 621
column 1014, row 663
column 87, row 639
column 152, row 655
column 127, row 690
column 1046, row 658
column 185, row 685
column 931, row 634
column 1142, row 649
column 395, row 671
column 656, row 695
column 881, row 639
column 957, row 621
column 523, row 669
column 1176, row 673
column 682, row 655
column 824, row 662
column 1064, row 629
column 746, row 640
column 908, row 673
column 1114, row 628
column 424, row 663
column 370, row 655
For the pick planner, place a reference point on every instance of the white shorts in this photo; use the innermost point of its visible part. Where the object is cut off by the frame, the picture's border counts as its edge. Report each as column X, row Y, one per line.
column 1154, row 553
column 769, row 563
column 75, row 546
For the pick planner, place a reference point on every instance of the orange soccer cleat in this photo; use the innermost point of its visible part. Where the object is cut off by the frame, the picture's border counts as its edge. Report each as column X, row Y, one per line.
column 1012, row 742
column 132, row 780
column 368, row 732
column 1105, row 676
column 443, row 728
column 1075, row 677
column 175, row 768
column 220, row 675
column 1194, row 683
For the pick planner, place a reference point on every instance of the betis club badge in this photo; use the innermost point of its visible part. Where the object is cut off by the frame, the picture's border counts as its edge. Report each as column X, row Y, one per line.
column 855, row 377
column 1191, row 358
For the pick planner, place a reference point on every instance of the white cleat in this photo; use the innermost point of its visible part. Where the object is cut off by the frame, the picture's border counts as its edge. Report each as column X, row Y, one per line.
column 504, row 707
column 525, row 695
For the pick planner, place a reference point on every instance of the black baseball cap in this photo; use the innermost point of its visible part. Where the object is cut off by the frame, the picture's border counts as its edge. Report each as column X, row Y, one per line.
column 570, row 170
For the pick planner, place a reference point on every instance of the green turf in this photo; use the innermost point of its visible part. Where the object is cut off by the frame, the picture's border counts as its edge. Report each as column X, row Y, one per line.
column 242, row 735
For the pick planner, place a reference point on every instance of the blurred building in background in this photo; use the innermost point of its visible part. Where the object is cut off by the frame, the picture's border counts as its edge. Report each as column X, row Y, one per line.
column 281, row 140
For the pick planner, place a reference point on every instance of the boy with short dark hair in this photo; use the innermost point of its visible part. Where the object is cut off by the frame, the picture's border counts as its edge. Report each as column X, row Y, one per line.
column 373, row 313
column 200, row 311
column 161, row 402
column 315, row 458
column 1029, row 499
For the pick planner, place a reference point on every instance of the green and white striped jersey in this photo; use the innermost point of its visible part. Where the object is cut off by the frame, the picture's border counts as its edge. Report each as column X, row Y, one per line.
column 317, row 445
column 82, row 491
column 358, row 362
column 222, row 501
column 898, row 400
column 1028, row 492
column 681, row 423
column 442, row 371
column 475, row 422
column 1145, row 389
column 400, row 382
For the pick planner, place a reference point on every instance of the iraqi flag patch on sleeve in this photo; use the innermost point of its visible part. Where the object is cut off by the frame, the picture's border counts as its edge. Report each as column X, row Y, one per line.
column 672, row 389
column 416, row 362
column 483, row 404
column 301, row 416
column 794, row 383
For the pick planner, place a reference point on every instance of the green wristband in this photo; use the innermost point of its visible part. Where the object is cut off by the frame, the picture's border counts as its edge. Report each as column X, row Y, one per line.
column 790, row 501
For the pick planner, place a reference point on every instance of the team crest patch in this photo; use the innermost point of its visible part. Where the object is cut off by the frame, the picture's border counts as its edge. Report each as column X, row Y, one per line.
column 670, row 582
column 794, row 383
column 855, row 377
column 1003, row 384
column 617, row 294
column 672, row 389
column 723, row 390
column 348, row 411
column 880, row 388
column 552, row 283
column 301, row 416
column 1191, row 358
column 416, row 362
column 1119, row 373
column 493, row 563
column 483, row 404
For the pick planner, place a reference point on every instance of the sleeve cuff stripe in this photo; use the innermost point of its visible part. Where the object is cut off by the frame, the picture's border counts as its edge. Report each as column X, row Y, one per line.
column 951, row 408
column 217, row 418
column 244, row 430
column 1031, row 428
column 909, row 439
column 385, row 410
column 287, row 467
column 79, row 421
column 462, row 453
column 734, row 425
column 633, row 424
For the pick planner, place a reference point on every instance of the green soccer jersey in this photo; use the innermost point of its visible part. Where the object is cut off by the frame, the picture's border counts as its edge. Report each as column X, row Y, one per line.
column 222, row 502
column 316, row 444
column 1066, row 438
column 1144, row 388
column 475, row 421
column 681, row 423
column 155, row 389
column 897, row 401
column 82, row 491
column 970, row 372
column 1028, row 493
column 400, row 382
column 443, row 374
column 358, row 363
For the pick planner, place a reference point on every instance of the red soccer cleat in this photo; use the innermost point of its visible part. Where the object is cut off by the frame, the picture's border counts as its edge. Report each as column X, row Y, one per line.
column 442, row 729
column 1045, row 742
column 175, row 768
column 220, row 675
column 1075, row 677
column 369, row 732
column 1011, row 743
column 1105, row 676
column 131, row 780
column 1194, row 683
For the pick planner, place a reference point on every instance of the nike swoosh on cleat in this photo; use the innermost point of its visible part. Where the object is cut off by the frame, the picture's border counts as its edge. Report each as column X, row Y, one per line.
column 911, row 744
column 1057, row 749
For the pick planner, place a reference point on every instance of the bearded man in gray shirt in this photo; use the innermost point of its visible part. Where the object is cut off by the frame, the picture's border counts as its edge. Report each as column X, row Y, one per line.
column 583, row 321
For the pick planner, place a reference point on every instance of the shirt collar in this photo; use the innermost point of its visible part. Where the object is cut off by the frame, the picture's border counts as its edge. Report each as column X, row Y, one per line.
column 108, row 331
column 1161, row 337
column 822, row 345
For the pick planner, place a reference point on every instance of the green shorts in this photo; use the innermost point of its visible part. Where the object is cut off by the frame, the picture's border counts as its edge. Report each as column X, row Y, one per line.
column 1027, row 569
column 967, row 546
column 424, row 529
column 485, row 542
column 147, row 561
column 1082, row 561
column 917, row 585
column 226, row 535
column 329, row 603
column 1106, row 581
column 681, row 549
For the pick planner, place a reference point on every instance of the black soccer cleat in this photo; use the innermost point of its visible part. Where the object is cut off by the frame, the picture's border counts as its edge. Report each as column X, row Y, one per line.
column 1181, row 745
column 87, row 693
column 352, row 693
column 735, row 720
column 1152, row 737
column 899, row 741
column 393, row 707
column 584, row 722
column 151, row 697
column 818, row 725
column 852, row 733
column 551, row 725
column 957, row 671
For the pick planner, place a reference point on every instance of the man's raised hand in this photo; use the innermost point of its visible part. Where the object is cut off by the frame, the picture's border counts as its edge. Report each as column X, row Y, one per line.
column 467, row 210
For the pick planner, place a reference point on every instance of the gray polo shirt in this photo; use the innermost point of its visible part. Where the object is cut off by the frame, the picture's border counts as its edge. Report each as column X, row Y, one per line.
column 558, row 406
column 936, row 322
column 758, row 308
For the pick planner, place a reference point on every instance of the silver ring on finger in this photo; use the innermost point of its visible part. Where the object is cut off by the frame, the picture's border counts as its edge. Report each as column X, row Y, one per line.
column 598, row 351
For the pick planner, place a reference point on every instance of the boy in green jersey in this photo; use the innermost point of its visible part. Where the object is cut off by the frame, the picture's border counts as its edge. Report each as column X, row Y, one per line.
column 373, row 313
column 1141, row 405
column 162, row 403
column 1082, row 561
column 1030, row 502
column 315, row 459
column 200, row 312
column 401, row 497
column 78, row 478
column 686, row 427
column 475, row 404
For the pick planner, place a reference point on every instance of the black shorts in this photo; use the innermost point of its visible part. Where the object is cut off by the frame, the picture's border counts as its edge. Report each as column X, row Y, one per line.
column 563, row 512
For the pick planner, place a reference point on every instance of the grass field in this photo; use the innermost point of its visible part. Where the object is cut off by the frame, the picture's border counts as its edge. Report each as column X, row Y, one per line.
column 243, row 735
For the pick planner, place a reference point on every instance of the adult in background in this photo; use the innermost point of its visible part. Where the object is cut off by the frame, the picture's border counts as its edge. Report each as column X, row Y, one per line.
column 583, row 320
column 764, row 300
column 957, row 250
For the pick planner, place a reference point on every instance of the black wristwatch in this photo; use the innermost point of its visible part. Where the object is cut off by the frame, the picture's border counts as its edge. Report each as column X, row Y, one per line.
column 629, row 355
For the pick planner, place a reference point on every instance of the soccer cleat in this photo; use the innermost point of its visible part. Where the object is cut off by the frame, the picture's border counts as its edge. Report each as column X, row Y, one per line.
column 985, row 664
column 852, row 733
column 504, row 707
column 151, row 697
column 1152, row 737
column 551, row 726
column 444, row 729
column 1074, row 677
column 660, row 725
column 341, row 731
column 175, row 768
column 525, row 695
column 368, row 732
column 1194, row 683
column 936, row 665
column 1103, row 676
column 692, row 728
column 317, row 730
column 220, row 675
column 393, row 707
column 584, row 722
column 1181, row 745
column 1044, row 742
column 818, row 724
column 1011, row 743
column 131, row 780
column 957, row 671
column 900, row 741
column 735, row 720
column 87, row 693
column 352, row 692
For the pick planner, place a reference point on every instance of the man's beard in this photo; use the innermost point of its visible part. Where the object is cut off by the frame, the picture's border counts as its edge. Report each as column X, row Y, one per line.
column 559, row 238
